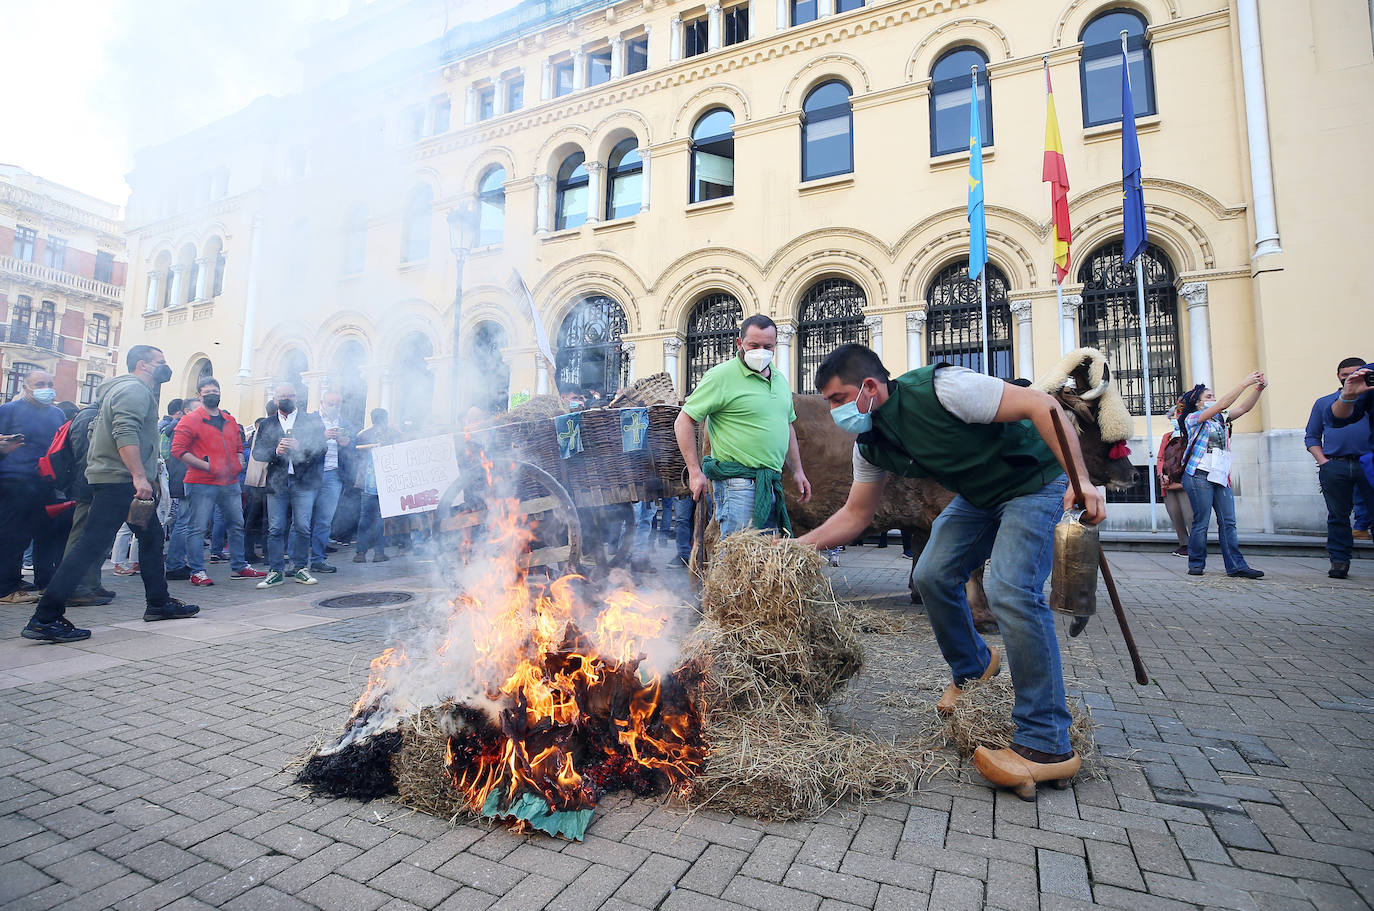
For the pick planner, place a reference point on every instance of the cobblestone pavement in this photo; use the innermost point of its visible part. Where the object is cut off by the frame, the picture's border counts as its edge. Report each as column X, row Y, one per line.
column 143, row 769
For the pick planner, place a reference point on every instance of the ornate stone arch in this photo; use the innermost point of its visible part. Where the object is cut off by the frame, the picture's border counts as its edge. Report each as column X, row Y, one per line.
column 679, row 300
column 856, row 238
column 282, row 338
column 494, row 155
column 559, row 146
column 493, row 304
column 721, row 94
column 612, row 129
column 972, row 30
column 592, row 273
column 829, row 66
column 1076, row 14
column 804, row 270
column 413, row 320
column 1181, row 219
column 343, row 326
column 1011, row 238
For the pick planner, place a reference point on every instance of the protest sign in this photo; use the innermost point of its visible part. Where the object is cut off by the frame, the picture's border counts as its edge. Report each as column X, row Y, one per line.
column 411, row 476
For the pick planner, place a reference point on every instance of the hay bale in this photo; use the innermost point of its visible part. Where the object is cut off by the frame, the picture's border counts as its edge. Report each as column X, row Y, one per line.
column 539, row 408
column 982, row 717
column 422, row 781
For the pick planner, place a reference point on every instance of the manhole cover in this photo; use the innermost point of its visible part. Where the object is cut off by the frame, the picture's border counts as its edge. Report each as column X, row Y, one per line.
column 367, row 599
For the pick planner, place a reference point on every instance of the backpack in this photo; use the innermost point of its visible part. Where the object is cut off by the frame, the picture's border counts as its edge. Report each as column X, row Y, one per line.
column 1175, row 457
column 58, row 464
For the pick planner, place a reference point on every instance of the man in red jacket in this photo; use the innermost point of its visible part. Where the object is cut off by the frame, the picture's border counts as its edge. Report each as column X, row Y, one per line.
column 210, row 442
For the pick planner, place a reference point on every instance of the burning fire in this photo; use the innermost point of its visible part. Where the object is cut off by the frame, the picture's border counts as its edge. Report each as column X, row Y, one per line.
column 546, row 688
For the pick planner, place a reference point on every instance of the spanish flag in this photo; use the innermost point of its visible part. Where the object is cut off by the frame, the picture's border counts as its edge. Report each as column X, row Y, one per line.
column 1056, row 174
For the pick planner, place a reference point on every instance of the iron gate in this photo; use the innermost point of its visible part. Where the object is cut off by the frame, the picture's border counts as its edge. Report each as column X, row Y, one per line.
column 589, row 352
column 954, row 321
column 832, row 314
column 711, row 332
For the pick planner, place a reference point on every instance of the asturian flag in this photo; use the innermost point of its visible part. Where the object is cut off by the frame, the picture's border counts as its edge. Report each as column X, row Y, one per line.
column 977, row 220
column 1056, row 174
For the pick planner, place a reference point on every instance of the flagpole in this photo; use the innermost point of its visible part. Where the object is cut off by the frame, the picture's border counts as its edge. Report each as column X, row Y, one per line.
column 1054, row 264
column 1144, row 345
column 983, row 271
column 983, row 297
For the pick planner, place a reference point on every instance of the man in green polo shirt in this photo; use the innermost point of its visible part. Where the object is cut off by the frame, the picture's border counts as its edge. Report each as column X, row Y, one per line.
column 747, row 406
column 993, row 444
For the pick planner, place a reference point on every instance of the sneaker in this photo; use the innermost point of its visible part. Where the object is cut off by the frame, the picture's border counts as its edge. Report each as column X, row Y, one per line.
column 173, row 575
column 303, row 577
column 174, row 609
column 1194, row 572
column 248, row 572
column 59, row 630
column 1247, row 573
column 201, row 578
column 1180, row 551
column 122, row 570
column 90, row 600
column 219, row 558
column 360, row 558
column 380, row 558
column 19, row 597
column 274, row 578
column 104, row 593
column 1339, row 570
column 324, row 568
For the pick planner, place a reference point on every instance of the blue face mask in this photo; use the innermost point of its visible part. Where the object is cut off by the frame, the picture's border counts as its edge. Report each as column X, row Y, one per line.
column 850, row 419
column 46, row 396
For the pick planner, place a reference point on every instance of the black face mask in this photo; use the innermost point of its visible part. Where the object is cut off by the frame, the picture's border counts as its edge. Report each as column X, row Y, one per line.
column 161, row 374
column 286, row 406
column 210, row 400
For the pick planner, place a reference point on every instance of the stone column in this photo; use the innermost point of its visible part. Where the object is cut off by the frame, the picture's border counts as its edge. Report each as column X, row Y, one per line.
column 579, row 69
column 783, row 17
column 595, row 188
column 713, row 29
column 541, row 374
column 617, row 57
column 671, row 346
column 627, row 350
column 753, row 18
column 649, row 57
column 1257, row 129
column 203, row 268
column 1025, row 339
column 1199, row 331
column 154, row 292
column 470, row 105
column 178, row 282
column 541, row 203
column 786, row 332
column 915, row 339
column 314, row 389
column 874, row 323
column 644, row 156
column 1068, row 332
column 498, row 101
column 250, row 301
column 675, row 39
column 546, row 82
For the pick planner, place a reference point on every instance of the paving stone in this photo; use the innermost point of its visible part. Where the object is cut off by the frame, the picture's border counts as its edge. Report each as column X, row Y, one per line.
column 892, row 872
column 687, row 900
column 18, row 879
column 335, row 891
column 825, row 847
column 648, row 885
column 534, row 891
column 1114, row 865
column 926, row 826
column 1063, row 874
column 1200, row 893
column 877, row 836
column 160, row 861
column 590, row 891
column 895, row 898
column 713, row 870
column 480, row 873
column 173, row 888
column 293, row 840
column 265, row 898
column 1158, row 853
column 830, row 884
column 467, row 899
column 771, row 859
column 755, row 893
column 952, row 892
column 1239, row 832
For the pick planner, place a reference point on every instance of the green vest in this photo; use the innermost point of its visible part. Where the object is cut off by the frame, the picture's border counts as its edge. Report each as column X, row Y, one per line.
column 988, row 464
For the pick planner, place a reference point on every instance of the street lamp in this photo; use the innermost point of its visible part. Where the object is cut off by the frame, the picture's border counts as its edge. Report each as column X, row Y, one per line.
column 461, row 231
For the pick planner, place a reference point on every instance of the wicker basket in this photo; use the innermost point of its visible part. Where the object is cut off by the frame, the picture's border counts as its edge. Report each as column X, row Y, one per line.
column 601, row 473
column 650, row 390
column 668, row 461
column 535, row 442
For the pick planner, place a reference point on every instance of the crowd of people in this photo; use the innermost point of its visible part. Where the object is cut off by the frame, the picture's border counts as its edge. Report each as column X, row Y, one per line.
column 115, row 480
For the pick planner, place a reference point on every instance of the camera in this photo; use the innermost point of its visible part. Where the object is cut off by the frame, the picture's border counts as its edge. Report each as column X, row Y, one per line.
column 1368, row 377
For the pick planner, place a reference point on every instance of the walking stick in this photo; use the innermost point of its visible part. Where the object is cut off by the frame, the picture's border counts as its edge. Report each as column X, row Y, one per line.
column 1141, row 677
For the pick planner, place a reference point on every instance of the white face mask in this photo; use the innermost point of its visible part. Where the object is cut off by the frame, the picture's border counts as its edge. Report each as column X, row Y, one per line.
column 758, row 359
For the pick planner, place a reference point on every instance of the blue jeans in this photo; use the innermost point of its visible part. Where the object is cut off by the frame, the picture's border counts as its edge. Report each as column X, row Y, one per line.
column 1342, row 482
column 203, row 499
column 1019, row 537
column 684, row 511
column 219, row 530
column 302, row 505
column 735, row 505
column 1206, row 496
column 644, row 524
column 1363, row 520
column 176, row 538
column 326, row 501
column 370, row 526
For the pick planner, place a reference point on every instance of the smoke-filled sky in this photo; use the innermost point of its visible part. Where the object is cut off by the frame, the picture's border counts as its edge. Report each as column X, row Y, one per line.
column 89, row 82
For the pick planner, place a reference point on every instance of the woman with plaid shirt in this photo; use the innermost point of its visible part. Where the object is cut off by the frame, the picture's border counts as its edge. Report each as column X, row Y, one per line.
column 1207, row 471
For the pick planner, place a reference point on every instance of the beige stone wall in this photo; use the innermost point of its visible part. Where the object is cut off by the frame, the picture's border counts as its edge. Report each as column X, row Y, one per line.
column 889, row 227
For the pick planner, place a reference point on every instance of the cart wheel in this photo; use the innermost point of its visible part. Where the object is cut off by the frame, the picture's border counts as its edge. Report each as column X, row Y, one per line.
column 543, row 500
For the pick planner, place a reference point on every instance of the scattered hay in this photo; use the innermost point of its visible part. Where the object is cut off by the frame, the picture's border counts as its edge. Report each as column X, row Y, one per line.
column 982, row 717
column 539, row 408
column 422, row 782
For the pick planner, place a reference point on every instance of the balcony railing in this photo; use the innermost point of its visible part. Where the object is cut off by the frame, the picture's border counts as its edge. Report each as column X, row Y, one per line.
column 36, row 338
column 56, row 277
column 48, row 206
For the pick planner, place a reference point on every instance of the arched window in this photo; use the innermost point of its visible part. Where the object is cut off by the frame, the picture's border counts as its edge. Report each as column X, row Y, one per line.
column 1109, row 320
column 14, row 378
column 201, row 369
column 491, row 207
column 571, row 205
column 624, row 180
column 712, row 329
column 827, row 131
column 45, row 327
column 713, row 156
column 355, row 241
column 954, row 321
column 949, row 101
column 415, row 231
column 346, row 378
column 1100, row 64
column 492, row 394
column 832, row 314
column 21, row 318
column 89, row 386
column 98, row 332
column 589, row 353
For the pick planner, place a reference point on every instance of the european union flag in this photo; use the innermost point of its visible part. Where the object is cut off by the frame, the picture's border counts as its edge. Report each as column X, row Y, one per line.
column 1133, row 196
column 634, row 429
column 977, row 220
column 569, row 427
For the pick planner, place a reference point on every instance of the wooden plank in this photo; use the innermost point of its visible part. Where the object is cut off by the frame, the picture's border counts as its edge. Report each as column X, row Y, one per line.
column 548, row 556
column 475, row 517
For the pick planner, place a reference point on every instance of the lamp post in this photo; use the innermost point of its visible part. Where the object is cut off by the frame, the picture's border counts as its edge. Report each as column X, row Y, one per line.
column 460, row 235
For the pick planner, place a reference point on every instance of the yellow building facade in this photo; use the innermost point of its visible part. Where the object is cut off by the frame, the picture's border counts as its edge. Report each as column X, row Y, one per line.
column 653, row 170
